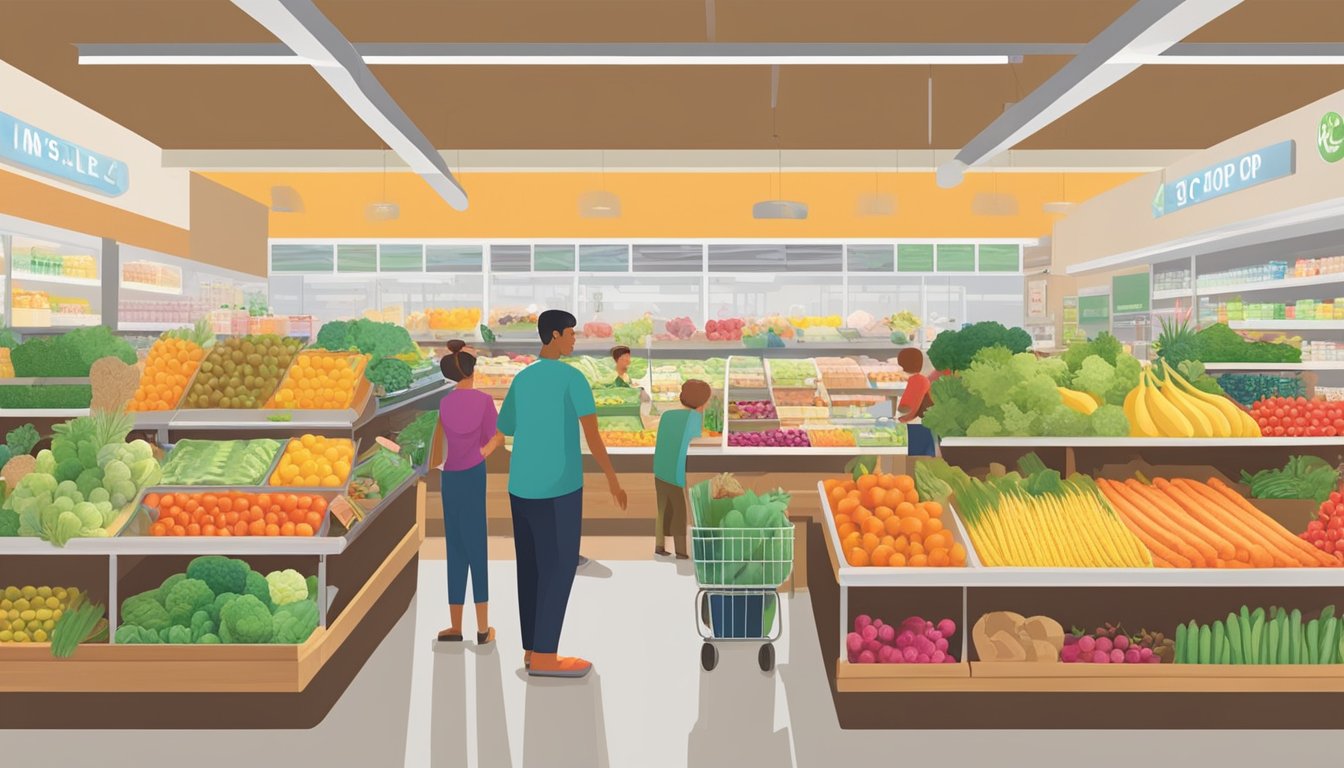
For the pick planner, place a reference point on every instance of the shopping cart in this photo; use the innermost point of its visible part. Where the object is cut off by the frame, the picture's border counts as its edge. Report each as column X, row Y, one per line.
column 739, row 571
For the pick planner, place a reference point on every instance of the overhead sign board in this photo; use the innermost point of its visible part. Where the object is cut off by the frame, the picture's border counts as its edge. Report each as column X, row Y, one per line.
column 33, row 148
column 1233, row 175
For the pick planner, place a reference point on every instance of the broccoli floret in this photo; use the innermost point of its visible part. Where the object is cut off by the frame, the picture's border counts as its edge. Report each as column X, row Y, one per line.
column 144, row 610
column 22, row 439
column 161, row 593
column 257, row 586
column 293, row 623
column 208, row 639
column 201, row 624
column 131, row 634
column 220, row 601
column 186, row 598
column 220, row 574
column 311, row 583
column 985, row 426
column 177, row 635
column 245, row 620
column 1109, row 421
column 1062, row 421
column 393, row 374
column 287, row 586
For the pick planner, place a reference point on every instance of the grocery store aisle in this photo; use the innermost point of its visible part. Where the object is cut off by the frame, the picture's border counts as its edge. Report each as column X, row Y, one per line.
column 648, row 705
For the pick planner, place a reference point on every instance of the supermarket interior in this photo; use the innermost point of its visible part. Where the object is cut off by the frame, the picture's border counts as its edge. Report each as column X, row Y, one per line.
column 873, row 366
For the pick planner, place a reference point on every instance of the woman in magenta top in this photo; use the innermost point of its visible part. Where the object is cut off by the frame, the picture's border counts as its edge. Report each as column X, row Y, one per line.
column 465, row 436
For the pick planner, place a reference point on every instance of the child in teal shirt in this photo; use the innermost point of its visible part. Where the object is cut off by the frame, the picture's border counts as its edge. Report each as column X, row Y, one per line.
column 676, row 430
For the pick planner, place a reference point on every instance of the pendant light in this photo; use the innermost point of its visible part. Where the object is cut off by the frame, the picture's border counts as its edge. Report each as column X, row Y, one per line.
column 599, row 203
column 996, row 203
column 778, row 208
column 383, row 210
column 286, row 200
column 1061, row 206
column 878, row 203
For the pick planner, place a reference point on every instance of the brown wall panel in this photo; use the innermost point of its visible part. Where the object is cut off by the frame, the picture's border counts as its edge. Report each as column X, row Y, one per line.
column 227, row 229
column 36, row 201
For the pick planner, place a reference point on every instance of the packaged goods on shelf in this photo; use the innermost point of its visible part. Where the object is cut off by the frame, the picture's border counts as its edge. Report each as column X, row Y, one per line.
column 1322, row 351
column 175, row 311
column 883, row 375
column 1172, row 280
column 1322, row 266
column 417, row 321
column 841, row 373
column 1259, row 273
column 229, row 322
column 67, row 305
column 152, row 273
column 746, row 372
column 1330, row 394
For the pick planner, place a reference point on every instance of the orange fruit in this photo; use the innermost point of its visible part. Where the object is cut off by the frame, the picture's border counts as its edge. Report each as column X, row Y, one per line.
column 939, row 558
column 830, row 484
column 905, row 509
column 851, row 541
column 912, row 497
column 844, row 529
column 905, row 483
column 892, row 498
column 873, row 525
column 917, row 561
column 887, row 541
column 887, row 481
column 882, row 513
column 931, row 526
column 897, row 560
column 893, row 525
column 870, row 541
column 939, row 539
column 957, row 554
column 858, row 557
column 915, row 548
column 910, row 525
column 859, row 515
column 847, row 505
column 876, row 497
column 881, row 555
column 902, row 544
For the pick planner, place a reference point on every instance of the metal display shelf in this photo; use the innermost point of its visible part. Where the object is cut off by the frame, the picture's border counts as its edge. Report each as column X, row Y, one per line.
column 1273, row 285
column 87, row 282
column 1174, row 294
column 1286, row 325
column 716, row 450
column 1306, row 365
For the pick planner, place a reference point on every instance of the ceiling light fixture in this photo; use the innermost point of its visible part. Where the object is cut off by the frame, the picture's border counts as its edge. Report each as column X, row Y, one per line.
column 383, row 210
column 599, row 203
column 286, row 200
column 778, row 209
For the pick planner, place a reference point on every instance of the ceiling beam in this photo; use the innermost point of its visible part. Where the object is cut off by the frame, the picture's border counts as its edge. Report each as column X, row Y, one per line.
column 1149, row 27
column 302, row 28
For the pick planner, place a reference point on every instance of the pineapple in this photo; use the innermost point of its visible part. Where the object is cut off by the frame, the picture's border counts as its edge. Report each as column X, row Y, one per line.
column 1177, row 342
column 202, row 334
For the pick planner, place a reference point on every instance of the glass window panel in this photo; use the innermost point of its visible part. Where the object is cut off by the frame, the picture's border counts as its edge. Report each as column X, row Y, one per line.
column 306, row 257
column 955, row 301
column 882, row 296
column 668, row 258
column 604, row 258
column 346, row 298
column 510, row 258
column 737, row 257
column 514, row 294
column 553, row 258
column 356, row 258
column 914, row 257
column 823, row 257
column 408, row 299
column 871, row 258
column 956, row 257
column 755, row 296
column 620, row 299
column 286, row 294
column 401, row 257
column 453, row 258
column 999, row 257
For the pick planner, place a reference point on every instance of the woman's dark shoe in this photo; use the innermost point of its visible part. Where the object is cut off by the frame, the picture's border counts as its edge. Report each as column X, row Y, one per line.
column 487, row 637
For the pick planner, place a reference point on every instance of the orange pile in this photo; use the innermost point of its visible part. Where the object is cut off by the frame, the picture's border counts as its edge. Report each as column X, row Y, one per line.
column 230, row 513
column 881, row 522
column 313, row 461
column 168, row 366
column 320, row 380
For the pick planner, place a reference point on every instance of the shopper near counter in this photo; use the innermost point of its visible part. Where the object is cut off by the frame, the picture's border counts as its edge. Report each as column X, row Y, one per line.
column 914, row 401
column 621, row 355
column 464, row 438
column 676, row 430
column 547, row 404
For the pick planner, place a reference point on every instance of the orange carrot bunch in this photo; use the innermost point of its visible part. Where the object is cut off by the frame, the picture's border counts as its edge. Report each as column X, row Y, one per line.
column 1188, row 524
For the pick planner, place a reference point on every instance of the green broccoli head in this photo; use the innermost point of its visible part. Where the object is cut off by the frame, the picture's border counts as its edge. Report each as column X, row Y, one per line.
column 257, row 586
column 1062, row 421
column 294, row 622
column 131, row 634
column 161, row 593
column 311, row 583
column 221, row 574
column 245, row 620
column 217, row 606
column 208, row 639
column 1109, row 421
column 176, row 635
column 186, row 598
column 143, row 610
column 201, row 624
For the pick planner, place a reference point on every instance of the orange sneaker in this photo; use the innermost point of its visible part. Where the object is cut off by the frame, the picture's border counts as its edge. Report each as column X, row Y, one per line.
column 550, row 665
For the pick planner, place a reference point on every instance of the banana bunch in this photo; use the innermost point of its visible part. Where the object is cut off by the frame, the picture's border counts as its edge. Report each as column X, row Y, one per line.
column 1172, row 407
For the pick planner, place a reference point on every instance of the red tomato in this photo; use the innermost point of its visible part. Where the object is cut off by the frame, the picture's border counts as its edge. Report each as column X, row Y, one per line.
column 1335, row 523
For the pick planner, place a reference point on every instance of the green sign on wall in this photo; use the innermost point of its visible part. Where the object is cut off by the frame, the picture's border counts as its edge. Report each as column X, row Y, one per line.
column 956, row 257
column 1129, row 294
column 1094, row 310
column 914, row 257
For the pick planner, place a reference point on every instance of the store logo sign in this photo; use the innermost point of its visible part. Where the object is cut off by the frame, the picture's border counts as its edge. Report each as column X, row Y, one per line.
column 1233, row 175
column 1330, row 137
column 31, row 147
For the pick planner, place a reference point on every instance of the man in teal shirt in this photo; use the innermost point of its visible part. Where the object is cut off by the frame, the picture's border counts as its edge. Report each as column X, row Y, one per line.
column 676, row 430
column 546, row 405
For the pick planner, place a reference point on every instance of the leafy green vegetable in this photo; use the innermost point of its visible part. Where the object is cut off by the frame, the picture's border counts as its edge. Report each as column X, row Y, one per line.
column 134, row 634
column 9, row 522
column 372, row 338
column 1303, row 477
column 392, row 374
column 953, row 350
column 1109, row 421
column 1218, row 343
column 1095, row 375
column 293, row 622
column 69, row 354
column 143, row 610
column 186, row 598
column 220, row 574
column 1105, row 346
column 22, row 439
column 245, row 620
column 257, row 586
column 415, row 437
column 78, row 624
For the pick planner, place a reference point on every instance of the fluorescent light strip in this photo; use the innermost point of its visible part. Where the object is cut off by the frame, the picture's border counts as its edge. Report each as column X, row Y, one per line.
column 554, row 61
column 1234, row 60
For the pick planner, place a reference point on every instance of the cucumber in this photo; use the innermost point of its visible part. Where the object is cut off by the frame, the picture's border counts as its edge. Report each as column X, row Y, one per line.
column 1219, row 641
column 1284, row 639
column 1271, row 655
column 1182, row 645
column 1328, row 637
column 1205, row 645
column 1296, row 644
column 1234, row 638
column 1257, row 638
column 1313, row 642
column 1247, row 654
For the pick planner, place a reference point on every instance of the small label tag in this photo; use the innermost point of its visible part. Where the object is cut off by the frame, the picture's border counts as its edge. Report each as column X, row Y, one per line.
column 345, row 512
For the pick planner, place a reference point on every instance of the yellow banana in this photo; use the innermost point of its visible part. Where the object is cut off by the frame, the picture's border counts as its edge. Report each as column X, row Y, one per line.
column 1081, row 402
column 1242, row 425
column 1168, row 418
column 1196, row 411
column 1141, row 422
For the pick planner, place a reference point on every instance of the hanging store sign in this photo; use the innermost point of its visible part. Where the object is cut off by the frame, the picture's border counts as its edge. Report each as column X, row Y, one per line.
column 1234, row 175
column 1330, row 137
column 1129, row 294
column 33, row 148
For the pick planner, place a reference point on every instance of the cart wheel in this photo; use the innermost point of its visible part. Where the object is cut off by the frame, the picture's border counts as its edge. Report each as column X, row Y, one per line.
column 766, row 657
column 709, row 656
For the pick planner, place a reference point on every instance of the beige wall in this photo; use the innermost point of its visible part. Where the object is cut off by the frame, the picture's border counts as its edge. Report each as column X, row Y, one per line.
column 1121, row 220
column 227, row 229
column 155, row 192
column 44, row 202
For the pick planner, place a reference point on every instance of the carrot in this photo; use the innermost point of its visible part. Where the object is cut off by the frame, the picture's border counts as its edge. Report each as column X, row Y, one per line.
column 1306, row 552
column 1248, row 550
column 1160, row 563
column 1233, row 564
column 1156, row 527
column 1160, row 507
column 1251, row 529
column 1159, row 542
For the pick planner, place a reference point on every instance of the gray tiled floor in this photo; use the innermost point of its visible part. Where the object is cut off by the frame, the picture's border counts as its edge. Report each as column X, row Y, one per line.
column 648, row 706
